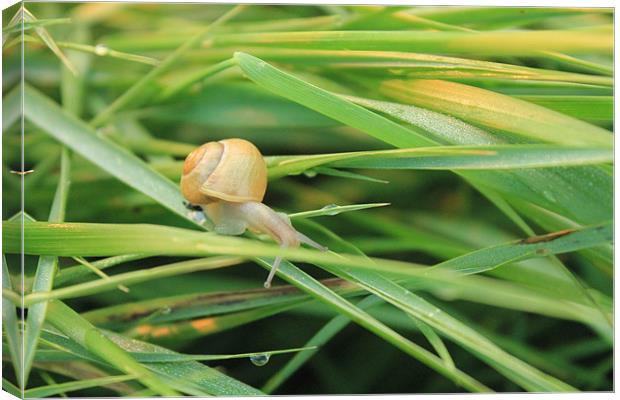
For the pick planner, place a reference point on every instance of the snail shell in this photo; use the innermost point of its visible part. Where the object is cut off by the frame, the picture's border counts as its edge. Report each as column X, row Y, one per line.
column 232, row 170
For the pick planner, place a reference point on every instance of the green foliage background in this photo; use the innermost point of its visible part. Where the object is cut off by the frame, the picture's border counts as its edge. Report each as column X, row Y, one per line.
column 456, row 161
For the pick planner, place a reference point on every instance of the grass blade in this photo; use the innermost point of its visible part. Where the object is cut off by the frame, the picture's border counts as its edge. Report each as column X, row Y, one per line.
column 497, row 111
column 554, row 243
column 46, row 270
column 306, row 283
column 83, row 139
column 293, row 88
column 86, row 335
column 449, row 157
column 482, row 43
column 11, row 329
column 52, row 390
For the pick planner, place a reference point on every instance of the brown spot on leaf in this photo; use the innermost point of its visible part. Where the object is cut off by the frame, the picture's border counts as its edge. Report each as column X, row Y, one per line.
column 548, row 237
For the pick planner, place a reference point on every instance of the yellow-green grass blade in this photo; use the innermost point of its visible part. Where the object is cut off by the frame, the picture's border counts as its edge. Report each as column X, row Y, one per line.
column 496, row 43
column 88, row 336
column 497, row 111
column 79, row 272
column 133, row 277
column 10, row 327
column 403, row 64
column 52, row 390
column 46, row 270
column 448, row 157
column 70, row 239
column 558, row 189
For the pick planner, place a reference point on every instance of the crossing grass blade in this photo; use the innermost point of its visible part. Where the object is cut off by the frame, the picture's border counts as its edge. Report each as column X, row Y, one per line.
column 306, row 283
column 10, row 328
column 555, row 243
column 511, row 367
column 189, row 377
column 85, row 334
column 452, row 157
column 46, row 270
column 83, row 139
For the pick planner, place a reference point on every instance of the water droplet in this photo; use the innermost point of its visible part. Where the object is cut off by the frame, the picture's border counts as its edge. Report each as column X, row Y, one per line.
column 310, row 173
column 166, row 310
column 101, row 50
column 259, row 359
column 329, row 207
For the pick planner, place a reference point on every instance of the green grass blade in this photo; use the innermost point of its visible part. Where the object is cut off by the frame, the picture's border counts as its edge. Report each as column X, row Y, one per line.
column 83, row 139
column 554, row 243
column 306, row 283
column 333, row 209
column 299, row 91
column 189, row 377
column 28, row 25
column 10, row 388
column 103, row 239
column 435, row 340
column 452, row 157
column 10, row 327
column 46, row 269
column 590, row 108
column 85, row 334
column 52, row 390
column 511, row 367
column 130, row 278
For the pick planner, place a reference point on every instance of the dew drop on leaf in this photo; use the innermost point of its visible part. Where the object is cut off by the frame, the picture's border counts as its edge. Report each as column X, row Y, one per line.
column 101, row 50
column 259, row 359
column 329, row 207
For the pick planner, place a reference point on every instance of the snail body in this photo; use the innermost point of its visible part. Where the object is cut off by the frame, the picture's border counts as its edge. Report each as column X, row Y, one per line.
column 228, row 181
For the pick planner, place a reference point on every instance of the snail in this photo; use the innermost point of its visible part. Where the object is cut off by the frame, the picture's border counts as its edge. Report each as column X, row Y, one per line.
column 227, row 180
